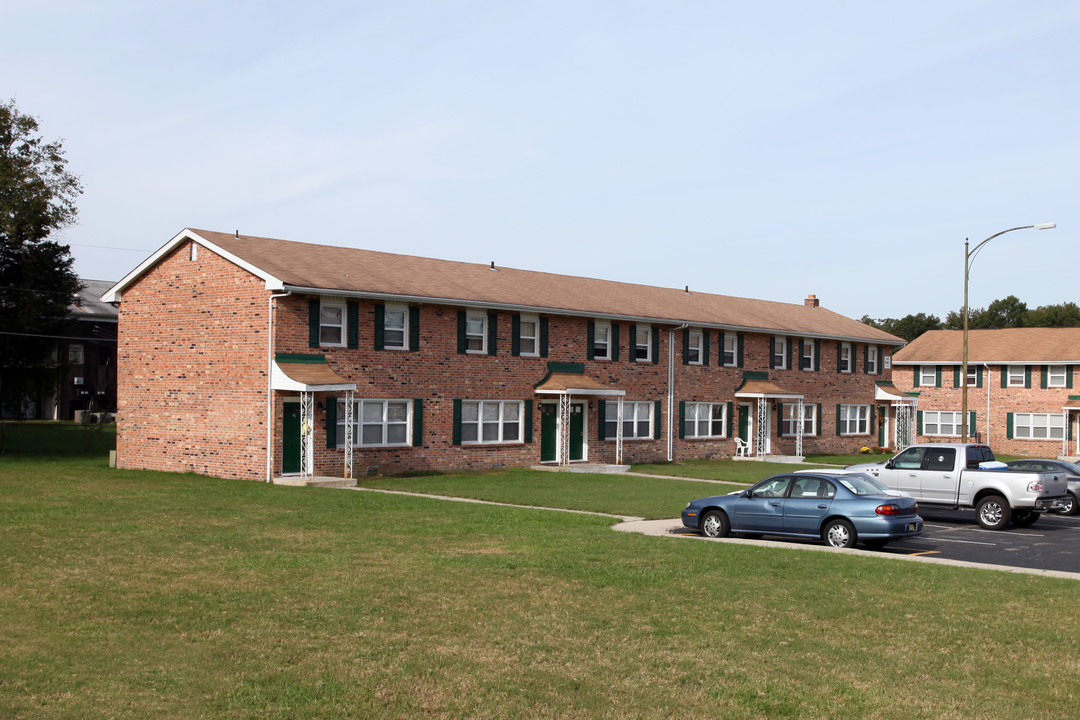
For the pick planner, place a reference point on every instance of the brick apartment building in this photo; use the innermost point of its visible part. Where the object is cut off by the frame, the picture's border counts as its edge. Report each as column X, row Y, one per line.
column 1021, row 399
column 259, row 358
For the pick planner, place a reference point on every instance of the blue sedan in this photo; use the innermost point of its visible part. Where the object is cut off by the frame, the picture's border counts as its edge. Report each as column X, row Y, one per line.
column 840, row 509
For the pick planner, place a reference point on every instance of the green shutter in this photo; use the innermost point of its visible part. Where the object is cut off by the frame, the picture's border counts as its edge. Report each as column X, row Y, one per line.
column 461, row 344
column 802, row 355
column 839, row 356
column 515, row 335
column 331, row 422
column 528, row 421
column 978, row 376
column 352, row 311
column 956, row 377
column 457, row 422
column 633, row 342
column 790, row 353
column 493, row 332
column 543, row 337
column 313, row 322
column 1044, row 381
column 418, row 423
column 873, row 419
column 740, row 344
column 590, row 339
column 866, row 358
column 1004, row 376
column 918, row 376
column 414, row 328
column 772, row 352
column 730, row 419
column 601, row 420
column 971, row 423
column 1068, row 376
column 817, row 360
column 1027, row 376
column 655, row 345
column 614, row 341
column 380, row 327
column 705, row 339
column 656, row 420
column 817, row 420
column 937, row 376
column 918, row 422
column 838, row 420
column 682, row 419
column 1009, row 426
column 686, row 346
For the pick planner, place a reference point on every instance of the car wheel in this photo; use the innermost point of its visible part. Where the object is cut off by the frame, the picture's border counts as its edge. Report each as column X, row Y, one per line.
column 876, row 543
column 715, row 524
column 1070, row 506
column 993, row 512
column 839, row 533
column 1024, row 518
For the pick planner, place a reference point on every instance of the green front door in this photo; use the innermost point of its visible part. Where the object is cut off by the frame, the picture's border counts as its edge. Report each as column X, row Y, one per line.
column 549, row 432
column 290, row 439
column 744, row 422
column 577, row 431
column 549, row 422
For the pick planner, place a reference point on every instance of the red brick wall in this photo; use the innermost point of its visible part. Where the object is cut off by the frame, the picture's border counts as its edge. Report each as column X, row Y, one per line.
column 192, row 369
column 1002, row 401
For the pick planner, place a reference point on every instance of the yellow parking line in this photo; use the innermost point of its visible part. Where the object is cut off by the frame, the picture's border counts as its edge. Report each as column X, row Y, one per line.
column 926, row 552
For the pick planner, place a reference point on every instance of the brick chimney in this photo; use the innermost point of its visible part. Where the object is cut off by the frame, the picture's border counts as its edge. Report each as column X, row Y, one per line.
column 811, row 301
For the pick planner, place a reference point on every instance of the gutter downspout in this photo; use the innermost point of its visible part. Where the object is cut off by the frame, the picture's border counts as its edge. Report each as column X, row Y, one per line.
column 671, row 391
column 269, row 384
column 988, row 386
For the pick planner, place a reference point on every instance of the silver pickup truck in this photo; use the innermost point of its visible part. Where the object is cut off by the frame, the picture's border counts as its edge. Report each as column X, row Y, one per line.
column 947, row 475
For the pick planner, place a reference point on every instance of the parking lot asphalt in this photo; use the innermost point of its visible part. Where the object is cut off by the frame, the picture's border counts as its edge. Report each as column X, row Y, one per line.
column 1049, row 547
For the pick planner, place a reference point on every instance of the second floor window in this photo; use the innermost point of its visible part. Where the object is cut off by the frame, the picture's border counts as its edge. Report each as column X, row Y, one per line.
column 731, row 349
column 1017, row 376
column 475, row 331
column 396, row 327
column 927, row 375
column 809, row 351
column 845, row 357
column 331, row 323
column 695, row 347
column 871, row 360
column 643, row 343
column 779, row 353
column 1055, row 376
column 602, row 344
column 529, row 335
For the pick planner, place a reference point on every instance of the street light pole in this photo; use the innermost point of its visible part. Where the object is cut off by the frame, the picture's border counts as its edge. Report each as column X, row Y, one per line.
column 969, row 258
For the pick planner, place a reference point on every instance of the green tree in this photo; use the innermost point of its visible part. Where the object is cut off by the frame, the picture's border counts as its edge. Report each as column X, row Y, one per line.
column 1008, row 312
column 37, row 282
column 908, row 327
column 1063, row 315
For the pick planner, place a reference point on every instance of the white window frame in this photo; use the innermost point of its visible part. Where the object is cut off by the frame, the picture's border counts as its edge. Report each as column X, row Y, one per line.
column 927, row 375
column 637, row 420
column 779, row 356
column 533, row 338
column 362, row 419
column 809, row 355
column 494, row 422
column 1060, row 373
column 872, row 360
column 846, row 364
column 708, row 415
column 602, row 338
column 1017, row 380
column 643, row 331
column 972, row 376
column 389, row 328
column 1038, row 426
column 789, row 419
column 857, row 425
column 472, row 317
column 942, row 423
column 732, row 340
column 340, row 327
column 696, row 348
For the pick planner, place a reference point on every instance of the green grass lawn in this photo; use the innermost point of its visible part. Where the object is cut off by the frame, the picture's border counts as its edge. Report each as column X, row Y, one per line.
column 130, row 594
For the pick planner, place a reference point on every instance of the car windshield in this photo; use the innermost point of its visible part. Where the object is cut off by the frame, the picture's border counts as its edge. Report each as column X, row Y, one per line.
column 861, row 484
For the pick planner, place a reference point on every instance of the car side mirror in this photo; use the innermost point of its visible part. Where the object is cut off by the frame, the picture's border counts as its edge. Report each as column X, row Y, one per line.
column 889, row 464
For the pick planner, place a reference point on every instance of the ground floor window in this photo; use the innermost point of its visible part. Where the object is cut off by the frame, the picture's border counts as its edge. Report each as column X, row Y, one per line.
column 637, row 420
column 942, row 423
column 376, row 423
column 1038, row 426
column 854, row 420
column 705, row 420
column 491, row 421
column 789, row 423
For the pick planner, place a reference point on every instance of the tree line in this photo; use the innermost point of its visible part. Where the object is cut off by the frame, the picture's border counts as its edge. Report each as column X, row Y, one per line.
column 1008, row 312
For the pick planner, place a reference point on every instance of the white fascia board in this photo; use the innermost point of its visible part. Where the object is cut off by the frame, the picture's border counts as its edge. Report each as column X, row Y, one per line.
column 456, row 302
column 973, row 363
column 114, row 294
column 583, row 392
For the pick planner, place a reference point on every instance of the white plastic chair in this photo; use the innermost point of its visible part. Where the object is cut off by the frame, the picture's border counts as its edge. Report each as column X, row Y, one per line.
column 742, row 448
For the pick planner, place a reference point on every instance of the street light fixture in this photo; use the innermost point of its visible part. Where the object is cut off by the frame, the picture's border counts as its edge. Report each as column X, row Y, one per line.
column 969, row 257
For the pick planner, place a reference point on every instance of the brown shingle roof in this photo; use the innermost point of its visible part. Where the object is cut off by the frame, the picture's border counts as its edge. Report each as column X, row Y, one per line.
column 1010, row 345
column 331, row 268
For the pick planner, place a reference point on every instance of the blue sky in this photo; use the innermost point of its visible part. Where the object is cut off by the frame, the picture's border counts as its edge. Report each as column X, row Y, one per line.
column 758, row 149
